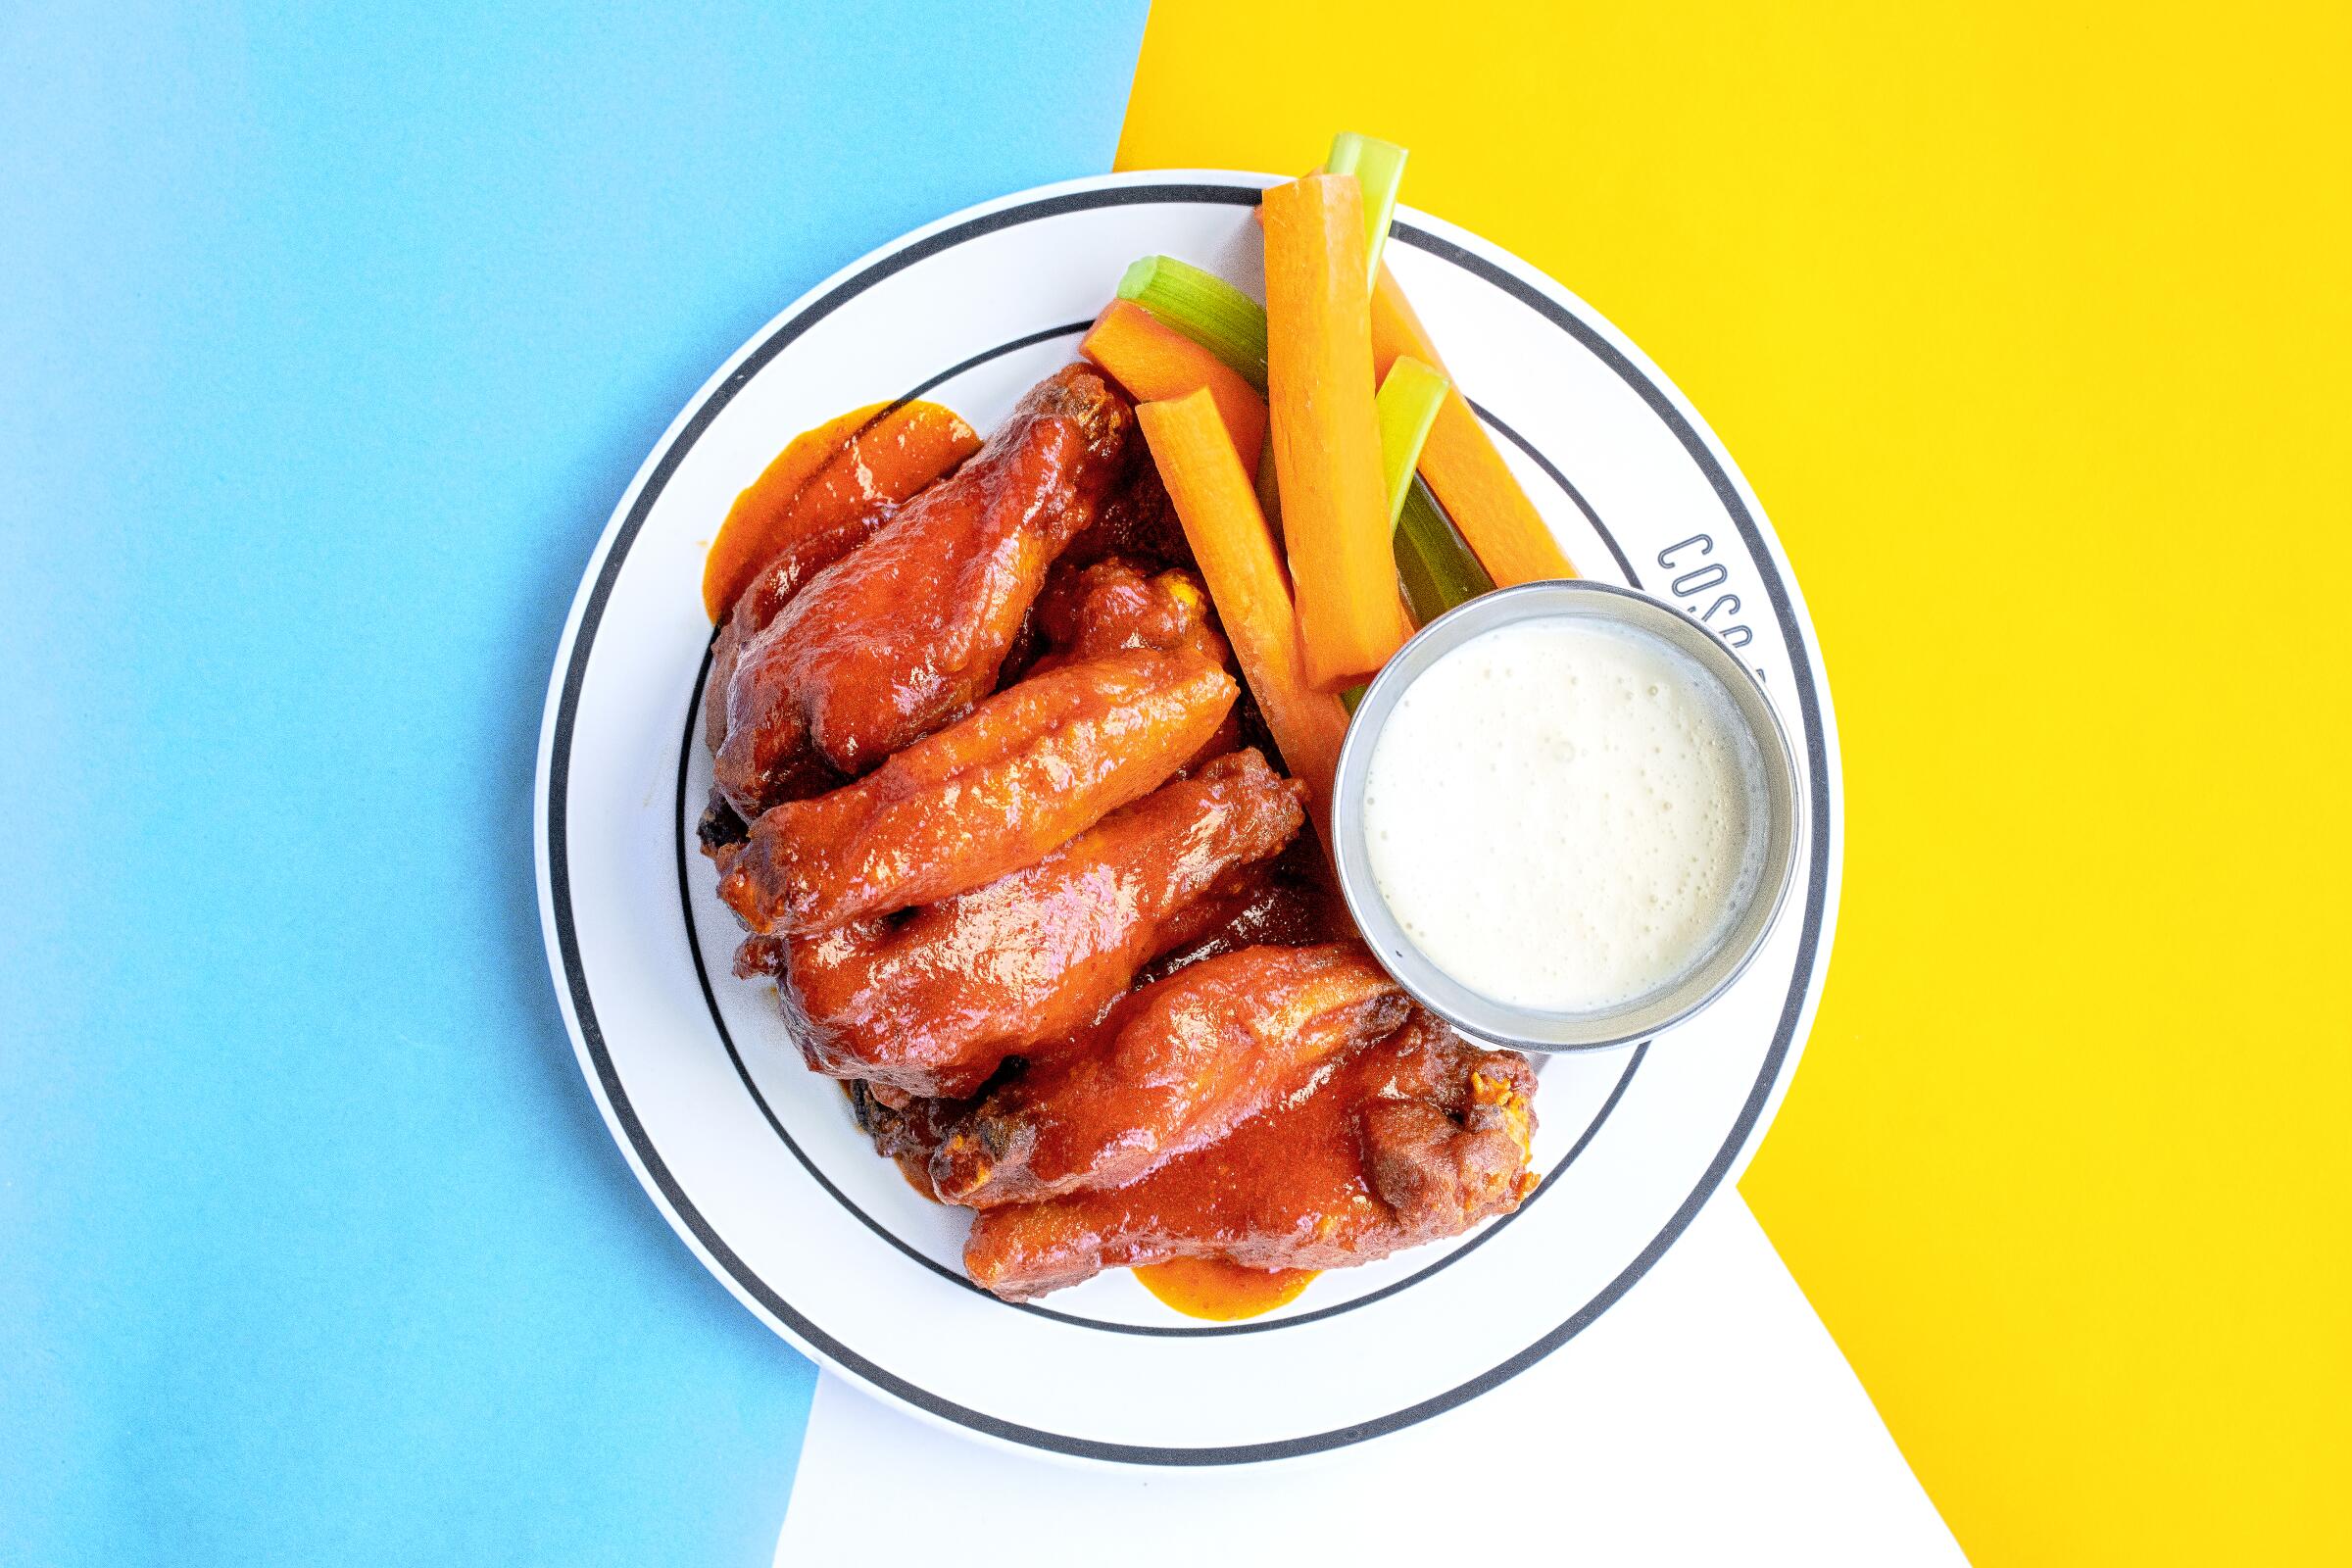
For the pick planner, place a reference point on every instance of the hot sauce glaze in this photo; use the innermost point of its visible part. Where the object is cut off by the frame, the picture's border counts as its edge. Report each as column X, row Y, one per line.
column 1220, row 1291
column 853, row 465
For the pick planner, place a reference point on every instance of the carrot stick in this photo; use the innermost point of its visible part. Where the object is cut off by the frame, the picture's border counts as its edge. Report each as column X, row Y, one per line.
column 1334, row 513
column 1395, row 329
column 1228, row 534
column 1460, row 462
column 1204, row 308
column 1154, row 362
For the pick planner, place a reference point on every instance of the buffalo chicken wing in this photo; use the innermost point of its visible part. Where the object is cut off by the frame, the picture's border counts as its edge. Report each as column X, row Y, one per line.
column 1024, row 772
column 932, row 1005
column 907, row 632
column 1178, row 1065
column 1412, row 1139
column 1116, row 605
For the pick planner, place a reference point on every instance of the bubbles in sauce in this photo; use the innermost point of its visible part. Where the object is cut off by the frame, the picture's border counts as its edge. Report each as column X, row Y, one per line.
column 1564, row 816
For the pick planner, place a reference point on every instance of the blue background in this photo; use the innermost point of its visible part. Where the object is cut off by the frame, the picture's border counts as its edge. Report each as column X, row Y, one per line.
column 327, row 341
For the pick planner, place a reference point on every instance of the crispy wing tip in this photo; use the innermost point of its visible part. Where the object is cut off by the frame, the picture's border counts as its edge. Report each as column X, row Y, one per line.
column 1496, row 1103
column 1082, row 394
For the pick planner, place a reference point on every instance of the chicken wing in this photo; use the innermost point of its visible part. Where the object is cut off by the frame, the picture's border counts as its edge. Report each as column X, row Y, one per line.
column 1414, row 1138
column 1088, row 612
column 904, row 1130
column 1177, row 1066
column 828, row 492
column 1028, row 769
column 907, row 632
column 932, row 1005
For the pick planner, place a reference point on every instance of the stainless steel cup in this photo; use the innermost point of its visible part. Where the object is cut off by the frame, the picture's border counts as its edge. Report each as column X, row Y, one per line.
column 1643, row 1016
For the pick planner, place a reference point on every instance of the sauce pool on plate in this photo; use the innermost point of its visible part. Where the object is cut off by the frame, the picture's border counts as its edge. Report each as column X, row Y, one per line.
column 1220, row 1291
column 1564, row 816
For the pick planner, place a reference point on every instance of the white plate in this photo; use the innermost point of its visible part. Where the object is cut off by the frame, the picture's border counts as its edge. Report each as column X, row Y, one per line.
column 758, row 1163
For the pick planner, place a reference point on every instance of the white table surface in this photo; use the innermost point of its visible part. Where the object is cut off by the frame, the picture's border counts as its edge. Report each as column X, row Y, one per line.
column 1706, row 1418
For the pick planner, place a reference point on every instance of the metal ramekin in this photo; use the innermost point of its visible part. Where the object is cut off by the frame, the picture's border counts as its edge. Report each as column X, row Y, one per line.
column 1526, row 1028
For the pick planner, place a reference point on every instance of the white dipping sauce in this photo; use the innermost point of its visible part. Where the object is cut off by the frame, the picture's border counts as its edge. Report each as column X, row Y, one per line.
column 1564, row 816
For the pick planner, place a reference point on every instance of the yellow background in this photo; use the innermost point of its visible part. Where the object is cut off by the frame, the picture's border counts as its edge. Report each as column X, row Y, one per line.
column 2029, row 326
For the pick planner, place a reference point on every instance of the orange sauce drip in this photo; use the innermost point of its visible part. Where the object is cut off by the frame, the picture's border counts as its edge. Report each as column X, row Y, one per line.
column 1222, row 1292
column 871, row 457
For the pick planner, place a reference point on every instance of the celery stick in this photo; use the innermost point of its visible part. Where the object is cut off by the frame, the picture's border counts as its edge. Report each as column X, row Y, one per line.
column 1204, row 308
column 1437, row 569
column 1379, row 166
column 1411, row 395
